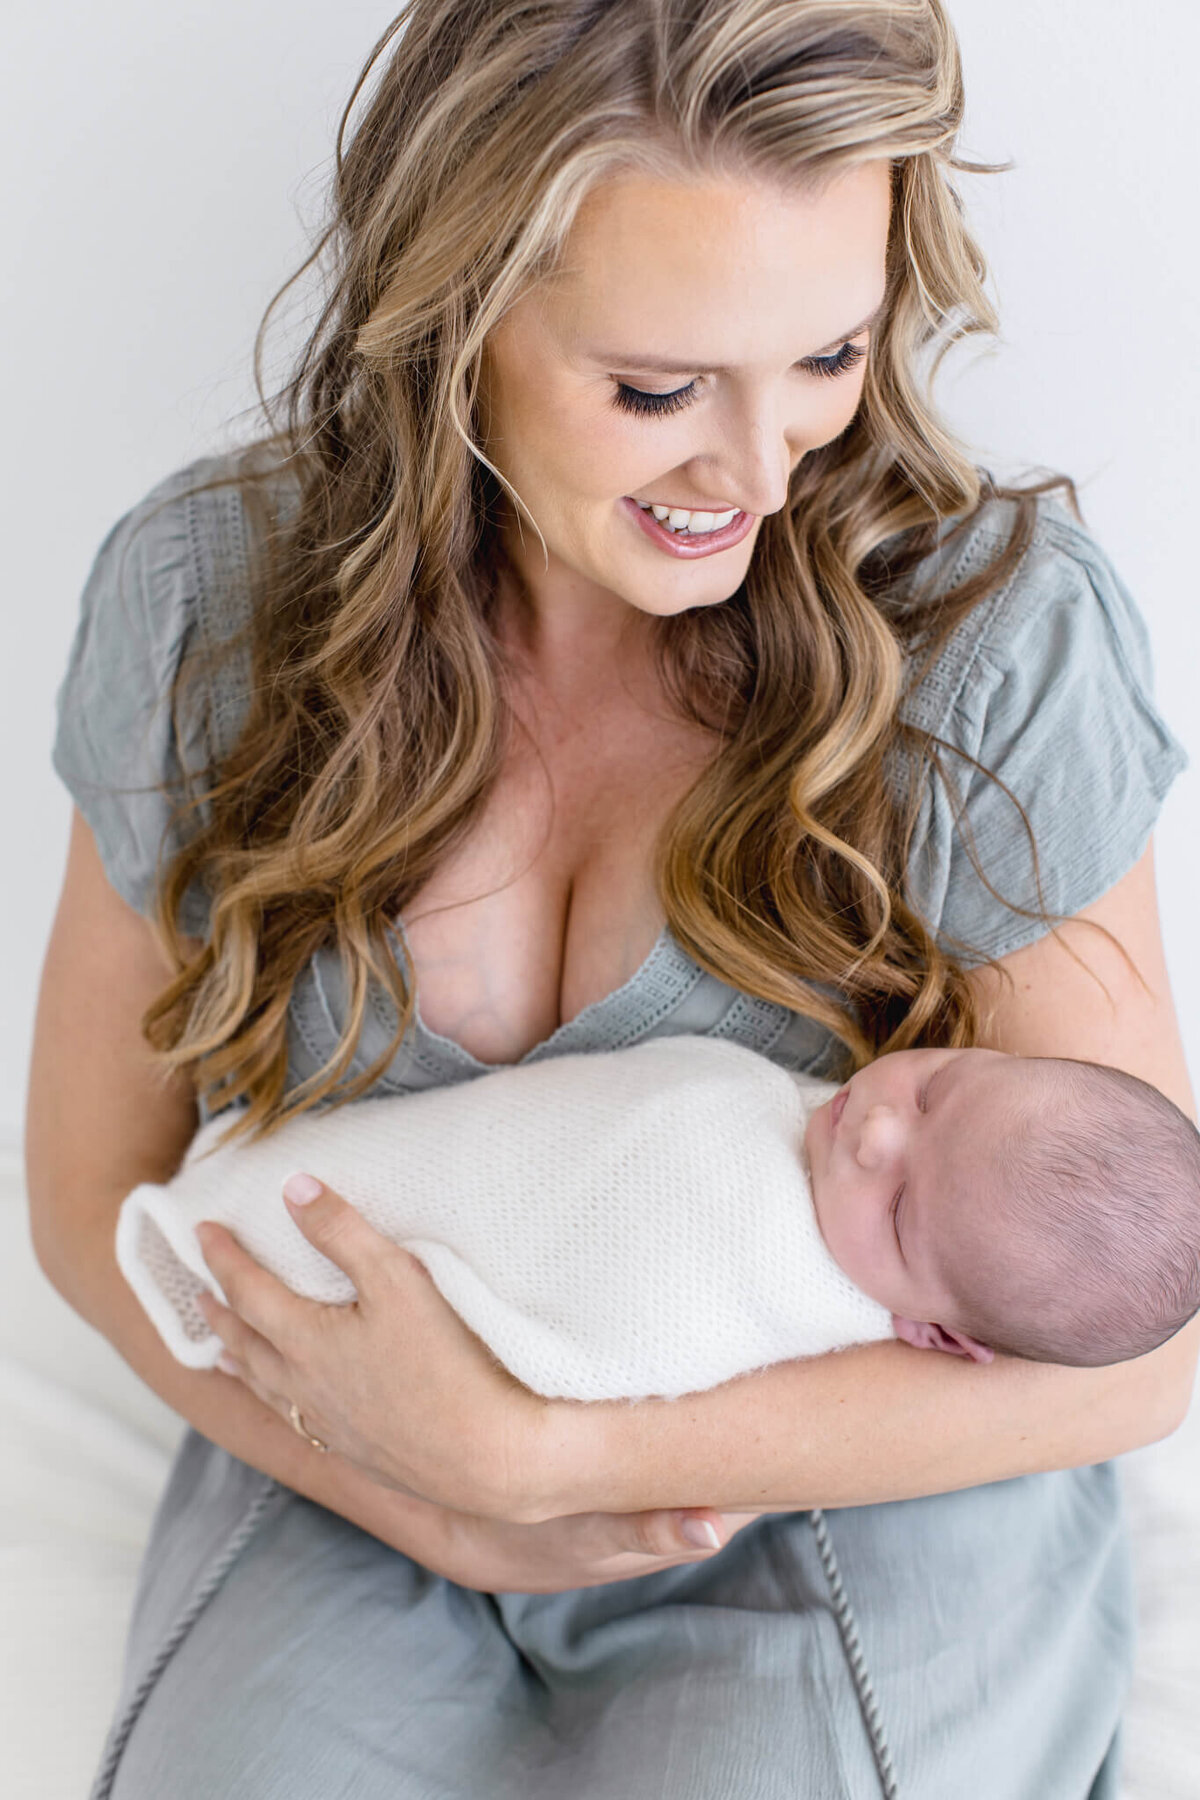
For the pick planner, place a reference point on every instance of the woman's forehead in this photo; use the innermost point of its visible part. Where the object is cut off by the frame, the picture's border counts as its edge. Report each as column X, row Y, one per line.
column 711, row 271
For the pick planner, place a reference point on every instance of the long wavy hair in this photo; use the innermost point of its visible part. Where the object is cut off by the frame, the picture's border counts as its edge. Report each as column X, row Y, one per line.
column 377, row 721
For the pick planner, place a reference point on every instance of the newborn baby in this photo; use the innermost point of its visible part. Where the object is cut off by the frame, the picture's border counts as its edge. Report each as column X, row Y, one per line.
column 658, row 1219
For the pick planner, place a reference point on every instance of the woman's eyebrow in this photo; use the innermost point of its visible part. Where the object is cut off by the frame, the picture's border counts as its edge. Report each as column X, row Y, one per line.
column 623, row 359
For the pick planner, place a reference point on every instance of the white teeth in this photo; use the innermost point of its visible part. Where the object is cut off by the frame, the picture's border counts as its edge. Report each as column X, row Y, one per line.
column 679, row 518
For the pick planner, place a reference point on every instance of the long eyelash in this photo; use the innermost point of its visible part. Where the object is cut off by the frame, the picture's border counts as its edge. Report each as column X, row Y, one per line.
column 847, row 358
column 636, row 400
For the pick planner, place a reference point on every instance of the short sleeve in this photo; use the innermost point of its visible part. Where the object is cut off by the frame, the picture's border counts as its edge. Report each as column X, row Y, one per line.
column 1048, row 687
column 115, row 746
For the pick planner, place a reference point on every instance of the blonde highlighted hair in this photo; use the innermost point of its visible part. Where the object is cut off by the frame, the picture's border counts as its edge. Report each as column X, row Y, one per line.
column 377, row 723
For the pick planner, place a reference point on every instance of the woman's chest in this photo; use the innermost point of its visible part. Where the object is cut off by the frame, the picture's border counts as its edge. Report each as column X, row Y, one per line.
column 549, row 904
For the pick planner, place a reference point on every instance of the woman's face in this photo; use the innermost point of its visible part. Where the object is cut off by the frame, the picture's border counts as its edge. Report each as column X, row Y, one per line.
column 700, row 338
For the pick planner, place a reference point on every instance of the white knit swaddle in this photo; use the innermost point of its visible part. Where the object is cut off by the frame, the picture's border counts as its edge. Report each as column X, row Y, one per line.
column 619, row 1225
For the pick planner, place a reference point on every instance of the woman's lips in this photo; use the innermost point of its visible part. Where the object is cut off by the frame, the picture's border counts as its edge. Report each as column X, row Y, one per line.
column 837, row 1107
column 678, row 543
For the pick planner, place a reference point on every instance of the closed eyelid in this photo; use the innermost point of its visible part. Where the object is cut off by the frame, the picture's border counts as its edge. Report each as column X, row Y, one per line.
column 896, row 1220
column 653, row 366
column 923, row 1096
column 652, row 403
column 927, row 1089
column 625, row 360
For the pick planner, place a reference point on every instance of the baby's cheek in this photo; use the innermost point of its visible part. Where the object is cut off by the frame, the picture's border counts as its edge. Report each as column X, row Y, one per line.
column 841, row 1218
column 823, row 1192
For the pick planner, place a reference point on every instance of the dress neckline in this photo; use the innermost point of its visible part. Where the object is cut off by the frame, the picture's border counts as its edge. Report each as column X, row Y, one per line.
column 620, row 1016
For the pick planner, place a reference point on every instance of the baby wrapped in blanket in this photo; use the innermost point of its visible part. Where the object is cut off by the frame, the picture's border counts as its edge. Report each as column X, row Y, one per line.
column 656, row 1220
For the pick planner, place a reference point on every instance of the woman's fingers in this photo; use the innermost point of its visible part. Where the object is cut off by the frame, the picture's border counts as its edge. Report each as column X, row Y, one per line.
column 337, row 1229
column 271, row 1310
column 697, row 1533
column 395, row 1382
column 247, row 1357
column 577, row 1550
column 260, row 1307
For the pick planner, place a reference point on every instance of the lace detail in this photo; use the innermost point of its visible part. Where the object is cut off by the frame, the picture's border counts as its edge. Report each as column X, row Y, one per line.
column 758, row 1024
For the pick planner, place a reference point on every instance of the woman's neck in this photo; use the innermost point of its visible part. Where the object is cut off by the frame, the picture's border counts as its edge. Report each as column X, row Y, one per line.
column 574, row 644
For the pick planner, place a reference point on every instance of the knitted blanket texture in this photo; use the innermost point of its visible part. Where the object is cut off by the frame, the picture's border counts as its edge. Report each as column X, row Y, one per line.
column 623, row 1224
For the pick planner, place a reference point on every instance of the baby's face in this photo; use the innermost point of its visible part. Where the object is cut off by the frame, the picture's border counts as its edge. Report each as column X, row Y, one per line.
column 902, row 1143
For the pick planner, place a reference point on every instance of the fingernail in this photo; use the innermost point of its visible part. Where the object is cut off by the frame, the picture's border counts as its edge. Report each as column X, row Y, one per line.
column 300, row 1189
column 700, row 1534
column 227, row 1364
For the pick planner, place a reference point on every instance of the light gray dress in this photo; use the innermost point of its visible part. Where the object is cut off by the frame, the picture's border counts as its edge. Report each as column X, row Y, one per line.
column 968, row 1643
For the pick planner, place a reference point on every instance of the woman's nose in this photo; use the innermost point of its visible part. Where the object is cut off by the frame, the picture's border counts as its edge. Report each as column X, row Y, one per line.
column 756, row 456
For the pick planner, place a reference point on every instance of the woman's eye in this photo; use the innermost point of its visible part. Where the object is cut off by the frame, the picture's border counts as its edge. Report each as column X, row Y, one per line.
column 847, row 358
column 922, row 1105
column 636, row 400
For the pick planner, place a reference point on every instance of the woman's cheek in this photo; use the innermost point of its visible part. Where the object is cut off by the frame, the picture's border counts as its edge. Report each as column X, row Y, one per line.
column 835, row 417
column 622, row 455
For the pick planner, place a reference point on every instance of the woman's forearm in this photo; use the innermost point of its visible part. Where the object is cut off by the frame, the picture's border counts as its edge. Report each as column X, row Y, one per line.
column 877, row 1423
column 886, row 1422
column 485, row 1554
column 229, row 1414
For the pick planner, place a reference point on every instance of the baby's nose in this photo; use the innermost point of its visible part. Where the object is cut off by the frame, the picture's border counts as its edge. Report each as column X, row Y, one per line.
column 881, row 1138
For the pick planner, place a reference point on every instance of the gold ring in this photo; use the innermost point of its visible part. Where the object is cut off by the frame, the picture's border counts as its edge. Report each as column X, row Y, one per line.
column 298, row 1422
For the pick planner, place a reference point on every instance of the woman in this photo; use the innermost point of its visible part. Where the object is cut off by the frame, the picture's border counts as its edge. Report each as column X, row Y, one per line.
column 395, row 744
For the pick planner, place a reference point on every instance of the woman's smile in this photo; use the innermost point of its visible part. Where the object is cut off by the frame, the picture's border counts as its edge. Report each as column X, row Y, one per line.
column 689, row 534
column 762, row 296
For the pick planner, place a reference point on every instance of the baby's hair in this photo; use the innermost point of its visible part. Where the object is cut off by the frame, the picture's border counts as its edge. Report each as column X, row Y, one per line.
column 1102, row 1205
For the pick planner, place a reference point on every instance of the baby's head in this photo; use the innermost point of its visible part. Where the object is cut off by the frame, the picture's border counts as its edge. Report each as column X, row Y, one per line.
column 1044, row 1208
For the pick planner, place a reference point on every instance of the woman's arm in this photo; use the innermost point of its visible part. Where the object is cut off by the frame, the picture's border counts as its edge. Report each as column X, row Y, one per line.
column 100, row 1120
column 883, row 1421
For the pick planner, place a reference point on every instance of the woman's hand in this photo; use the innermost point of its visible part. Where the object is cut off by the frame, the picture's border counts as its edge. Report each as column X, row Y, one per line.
column 577, row 1551
column 395, row 1382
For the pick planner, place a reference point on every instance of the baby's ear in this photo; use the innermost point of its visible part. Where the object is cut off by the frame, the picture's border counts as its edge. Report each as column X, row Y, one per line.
column 923, row 1335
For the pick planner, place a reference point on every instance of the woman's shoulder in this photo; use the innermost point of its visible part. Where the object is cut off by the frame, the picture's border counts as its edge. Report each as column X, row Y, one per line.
column 1040, row 703
column 1061, row 618
column 186, row 544
column 174, row 572
column 172, row 576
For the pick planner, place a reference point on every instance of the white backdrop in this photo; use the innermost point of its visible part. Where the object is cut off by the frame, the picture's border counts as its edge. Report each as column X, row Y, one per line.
column 163, row 163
